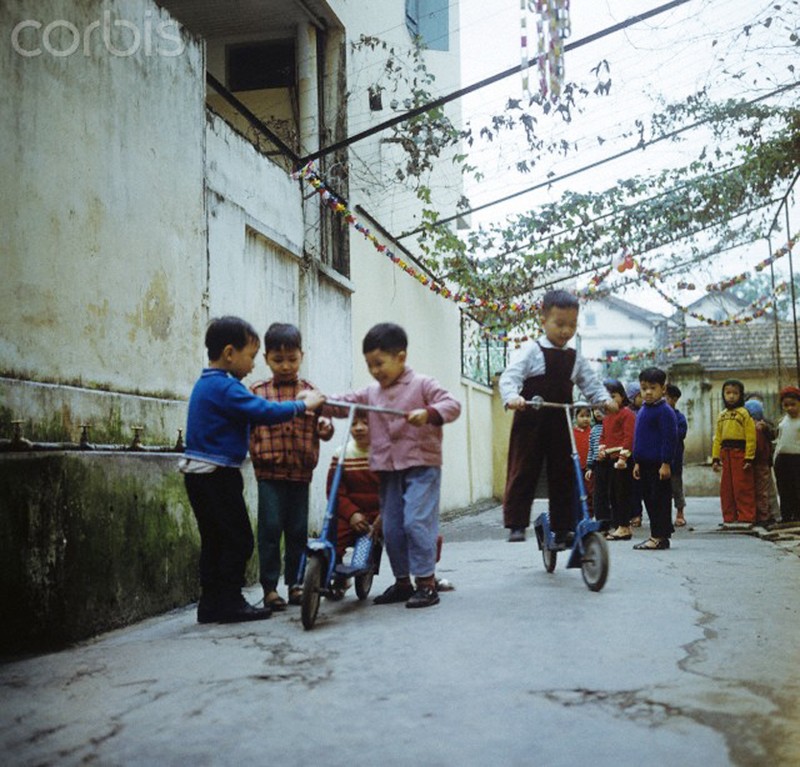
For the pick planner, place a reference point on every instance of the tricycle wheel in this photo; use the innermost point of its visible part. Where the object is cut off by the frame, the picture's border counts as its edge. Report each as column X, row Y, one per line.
column 594, row 564
column 364, row 584
column 312, row 583
column 549, row 557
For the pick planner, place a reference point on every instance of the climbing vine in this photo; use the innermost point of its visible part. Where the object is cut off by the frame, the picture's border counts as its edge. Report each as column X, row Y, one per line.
column 752, row 149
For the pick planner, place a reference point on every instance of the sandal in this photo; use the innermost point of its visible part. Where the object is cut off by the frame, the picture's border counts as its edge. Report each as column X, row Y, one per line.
column 276, row 602
column 615, row 537
column 651, row 544
column 295, row 595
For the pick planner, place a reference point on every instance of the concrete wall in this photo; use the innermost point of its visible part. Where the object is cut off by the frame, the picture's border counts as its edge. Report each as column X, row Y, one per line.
column 701, row 402
column 102, row 205
column 384, row 293
column 89, row 542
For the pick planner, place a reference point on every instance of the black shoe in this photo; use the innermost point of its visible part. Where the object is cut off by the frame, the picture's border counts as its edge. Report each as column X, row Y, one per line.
column 244, row 612
column 234, row 611
column 206, row 613
column 395, row 593
column 424, row 596
column 517, row 535
column 564, row 537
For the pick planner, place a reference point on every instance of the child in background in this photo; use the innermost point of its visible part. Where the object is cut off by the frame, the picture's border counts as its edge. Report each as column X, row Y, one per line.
column 217, row 430
column 770, row 432
column 548, row 370
column 595, row 476
column 357, row 497
column 616, row 448
column 654, row 444
column 732, row 453
column 762, row 463
column 284, row 457
column 787, row 455
column 672, row 395
column 634, row 394
column 582, row 431
column 407, row 454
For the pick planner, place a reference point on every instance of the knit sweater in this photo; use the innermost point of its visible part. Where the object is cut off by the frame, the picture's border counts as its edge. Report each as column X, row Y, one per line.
column 220, row 413
column 396, row 444
column 735, row 424
column 656, row 433
column 358, row 486
column 618, row 429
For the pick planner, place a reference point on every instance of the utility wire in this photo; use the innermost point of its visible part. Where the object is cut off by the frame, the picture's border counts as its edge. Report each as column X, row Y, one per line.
column 487, row 81
column 639, row 147
column 616, row 212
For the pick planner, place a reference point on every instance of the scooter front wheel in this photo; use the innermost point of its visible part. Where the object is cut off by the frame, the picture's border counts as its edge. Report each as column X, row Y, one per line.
column 594, row 563
column 312, row 585
column 549, row 557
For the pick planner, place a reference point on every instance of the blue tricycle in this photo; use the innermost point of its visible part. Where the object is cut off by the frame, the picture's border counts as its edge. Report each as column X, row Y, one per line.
column 319, row 573
column 588, row 548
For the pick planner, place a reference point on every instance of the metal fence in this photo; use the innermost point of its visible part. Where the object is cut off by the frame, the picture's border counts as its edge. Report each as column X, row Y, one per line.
column 482, row 358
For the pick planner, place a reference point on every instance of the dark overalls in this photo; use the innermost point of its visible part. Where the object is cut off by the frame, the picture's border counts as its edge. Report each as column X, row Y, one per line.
column 538, row 436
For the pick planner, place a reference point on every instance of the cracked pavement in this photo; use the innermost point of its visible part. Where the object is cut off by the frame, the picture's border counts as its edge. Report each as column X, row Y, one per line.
column 687, row 656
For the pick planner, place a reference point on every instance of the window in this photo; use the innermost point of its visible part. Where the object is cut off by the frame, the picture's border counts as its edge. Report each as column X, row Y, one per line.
column 591, row 319
column 429, row 20
column 256, row 66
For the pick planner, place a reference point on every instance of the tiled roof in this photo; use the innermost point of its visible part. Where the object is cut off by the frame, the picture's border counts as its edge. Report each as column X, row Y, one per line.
column 749, row 346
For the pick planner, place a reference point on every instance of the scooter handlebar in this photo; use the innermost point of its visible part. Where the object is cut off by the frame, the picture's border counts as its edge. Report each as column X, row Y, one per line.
column 359, row 406
column 538, row 402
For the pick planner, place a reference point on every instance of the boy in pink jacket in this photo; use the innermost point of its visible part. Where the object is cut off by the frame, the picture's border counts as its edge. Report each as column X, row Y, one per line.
column 407, row 454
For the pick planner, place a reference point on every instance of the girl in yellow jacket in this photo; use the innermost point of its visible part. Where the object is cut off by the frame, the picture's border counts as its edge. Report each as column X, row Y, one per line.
column 732, row 453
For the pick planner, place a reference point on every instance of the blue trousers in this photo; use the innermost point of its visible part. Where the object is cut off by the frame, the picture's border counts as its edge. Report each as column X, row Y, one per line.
column 410, row 514
column 282, row 511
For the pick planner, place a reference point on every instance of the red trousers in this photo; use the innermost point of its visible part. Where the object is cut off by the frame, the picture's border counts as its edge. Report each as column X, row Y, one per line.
column 737, row 489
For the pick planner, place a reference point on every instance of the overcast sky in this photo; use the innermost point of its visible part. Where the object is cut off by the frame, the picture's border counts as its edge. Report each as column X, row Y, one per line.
column 700, row 44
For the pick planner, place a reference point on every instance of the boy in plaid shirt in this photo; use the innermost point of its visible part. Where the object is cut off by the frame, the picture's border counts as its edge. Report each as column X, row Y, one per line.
column 284, row 457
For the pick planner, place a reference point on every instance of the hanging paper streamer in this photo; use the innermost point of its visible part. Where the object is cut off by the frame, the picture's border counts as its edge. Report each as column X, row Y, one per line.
column 552, row 28
column 634, row 356
column 337, row 206
column 523, row 6
column 759, row 267
column 623, row 262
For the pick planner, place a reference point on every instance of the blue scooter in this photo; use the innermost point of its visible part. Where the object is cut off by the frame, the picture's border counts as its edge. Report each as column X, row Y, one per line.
column 318, row 570
column 588, row 548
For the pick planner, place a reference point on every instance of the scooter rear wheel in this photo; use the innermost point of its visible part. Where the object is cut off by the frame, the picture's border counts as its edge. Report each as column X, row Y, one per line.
column 364, row 584
column 312, row 584
column 594, row 564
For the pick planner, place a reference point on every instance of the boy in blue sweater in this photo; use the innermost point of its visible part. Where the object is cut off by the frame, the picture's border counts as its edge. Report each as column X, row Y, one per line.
column 221, row 410
column 655, row 437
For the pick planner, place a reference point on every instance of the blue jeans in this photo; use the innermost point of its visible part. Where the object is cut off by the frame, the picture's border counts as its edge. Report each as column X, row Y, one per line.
column 282, row 510
column 410, row 514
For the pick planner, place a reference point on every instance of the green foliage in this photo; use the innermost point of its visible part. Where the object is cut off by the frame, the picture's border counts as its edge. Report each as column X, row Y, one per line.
column 752, row 150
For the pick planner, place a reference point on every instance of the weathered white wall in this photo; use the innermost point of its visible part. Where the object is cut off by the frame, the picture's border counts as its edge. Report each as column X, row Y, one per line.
column 611, row 329
column 383, row 291
column 103, row 243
